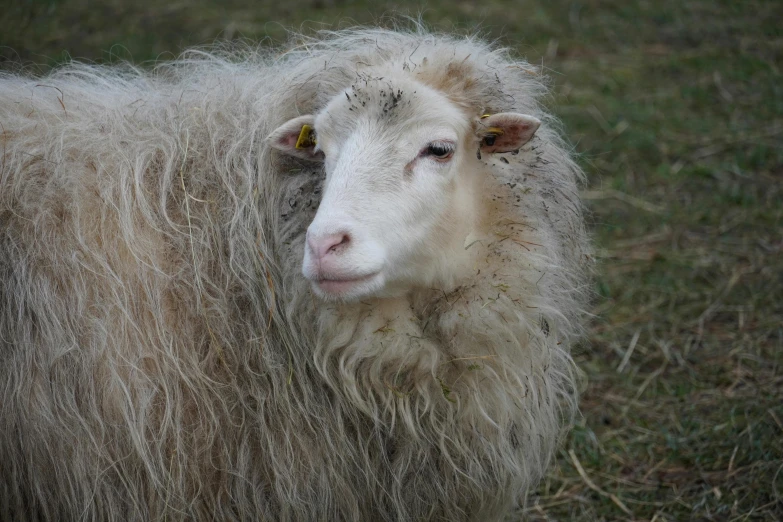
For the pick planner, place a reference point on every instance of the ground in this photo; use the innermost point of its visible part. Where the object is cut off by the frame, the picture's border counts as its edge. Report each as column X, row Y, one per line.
column 676, row 111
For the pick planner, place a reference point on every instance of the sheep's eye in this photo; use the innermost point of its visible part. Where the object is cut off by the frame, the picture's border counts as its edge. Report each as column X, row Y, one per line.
column 439, row 150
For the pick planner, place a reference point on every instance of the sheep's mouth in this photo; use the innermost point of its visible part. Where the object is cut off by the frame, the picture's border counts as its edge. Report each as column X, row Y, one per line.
column 345, row 287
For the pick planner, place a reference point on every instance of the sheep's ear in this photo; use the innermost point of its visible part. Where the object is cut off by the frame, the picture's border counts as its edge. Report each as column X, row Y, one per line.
column 505, row 131
column 297, row 138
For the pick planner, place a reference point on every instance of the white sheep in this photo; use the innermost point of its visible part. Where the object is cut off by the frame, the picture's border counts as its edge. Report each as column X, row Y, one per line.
column 165, row 353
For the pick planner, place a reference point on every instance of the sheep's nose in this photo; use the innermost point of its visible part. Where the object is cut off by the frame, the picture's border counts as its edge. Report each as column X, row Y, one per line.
column 324, row 245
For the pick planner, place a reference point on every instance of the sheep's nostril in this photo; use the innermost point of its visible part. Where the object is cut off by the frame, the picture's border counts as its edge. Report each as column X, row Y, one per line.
column 324, row 245
column 344, row 241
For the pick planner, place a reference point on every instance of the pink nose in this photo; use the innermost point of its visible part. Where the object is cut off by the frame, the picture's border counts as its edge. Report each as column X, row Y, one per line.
column 324, row 245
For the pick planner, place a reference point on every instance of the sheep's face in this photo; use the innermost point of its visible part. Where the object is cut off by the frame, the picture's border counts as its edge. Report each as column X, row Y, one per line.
column 401, row 189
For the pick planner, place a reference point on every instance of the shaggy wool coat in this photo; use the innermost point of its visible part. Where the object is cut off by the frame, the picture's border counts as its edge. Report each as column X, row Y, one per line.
column 163, row 358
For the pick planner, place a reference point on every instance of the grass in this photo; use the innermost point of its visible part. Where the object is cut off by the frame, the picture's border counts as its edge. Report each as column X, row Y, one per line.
column 676, row 110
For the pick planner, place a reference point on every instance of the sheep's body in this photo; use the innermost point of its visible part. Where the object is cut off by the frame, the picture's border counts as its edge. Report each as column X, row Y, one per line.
column 161, row 355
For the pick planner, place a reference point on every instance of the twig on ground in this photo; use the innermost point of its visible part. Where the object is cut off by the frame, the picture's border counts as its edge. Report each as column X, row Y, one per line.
column 625, row 198
column 590, row 484
column 629, row 351
column 716, row 303
column 717, row 148
column 775, row 418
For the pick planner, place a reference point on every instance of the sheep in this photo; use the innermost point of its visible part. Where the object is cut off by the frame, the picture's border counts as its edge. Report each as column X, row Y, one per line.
column 339, row 280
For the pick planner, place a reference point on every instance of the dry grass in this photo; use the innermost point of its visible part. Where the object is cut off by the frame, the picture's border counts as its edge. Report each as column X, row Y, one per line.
column 676, row 108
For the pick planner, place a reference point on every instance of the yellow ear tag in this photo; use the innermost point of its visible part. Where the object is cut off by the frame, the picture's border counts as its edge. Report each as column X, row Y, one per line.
column 497, row 131
column 306, row 138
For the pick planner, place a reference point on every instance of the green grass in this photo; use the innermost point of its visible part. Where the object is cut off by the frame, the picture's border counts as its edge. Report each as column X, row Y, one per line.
column 676, row 110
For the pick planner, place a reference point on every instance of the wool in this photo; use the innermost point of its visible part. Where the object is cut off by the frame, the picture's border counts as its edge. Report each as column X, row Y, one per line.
column 161, row 354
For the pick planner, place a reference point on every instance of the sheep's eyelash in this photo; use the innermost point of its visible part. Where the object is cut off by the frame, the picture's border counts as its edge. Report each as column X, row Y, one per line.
column 446, row 144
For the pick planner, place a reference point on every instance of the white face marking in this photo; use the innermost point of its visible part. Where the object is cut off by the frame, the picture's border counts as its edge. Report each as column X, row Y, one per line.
column 396, row 198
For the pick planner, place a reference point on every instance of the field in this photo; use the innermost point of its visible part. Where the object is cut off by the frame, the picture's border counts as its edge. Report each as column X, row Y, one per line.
column 676, row 111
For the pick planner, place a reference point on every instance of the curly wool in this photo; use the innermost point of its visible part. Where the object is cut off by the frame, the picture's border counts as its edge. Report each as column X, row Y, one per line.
column 161, row 355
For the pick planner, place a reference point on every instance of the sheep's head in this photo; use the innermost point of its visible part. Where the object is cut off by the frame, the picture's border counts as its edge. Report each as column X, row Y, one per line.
column 402, row 186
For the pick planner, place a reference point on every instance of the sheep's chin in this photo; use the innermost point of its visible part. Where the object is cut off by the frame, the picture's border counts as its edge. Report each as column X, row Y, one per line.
column 348, row 290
